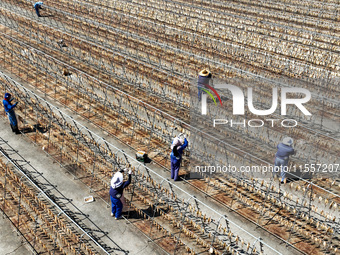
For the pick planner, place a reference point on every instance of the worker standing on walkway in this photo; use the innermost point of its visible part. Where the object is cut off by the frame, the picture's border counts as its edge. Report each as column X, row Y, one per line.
column 284, row 150
column 9, row 109
column 203, row 79
column 116, row 192
column 178, row 145
column 37, row 6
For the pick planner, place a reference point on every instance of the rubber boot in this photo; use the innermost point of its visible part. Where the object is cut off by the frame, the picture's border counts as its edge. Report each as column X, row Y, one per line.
column 12, row 127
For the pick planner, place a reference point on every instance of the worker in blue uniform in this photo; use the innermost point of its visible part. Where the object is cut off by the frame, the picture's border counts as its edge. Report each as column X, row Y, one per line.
column 284, row 150
column 116, row 192
column 178, row 147
column 203, row 79
column 38, row 6
column 9, row 109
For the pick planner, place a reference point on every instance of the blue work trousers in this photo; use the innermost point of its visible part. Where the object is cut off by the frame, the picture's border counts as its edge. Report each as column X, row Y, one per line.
column 37, row 7
column 12, row 118
column 175, row 165
column 116, row 207
column 282, row 166
column 199, row 94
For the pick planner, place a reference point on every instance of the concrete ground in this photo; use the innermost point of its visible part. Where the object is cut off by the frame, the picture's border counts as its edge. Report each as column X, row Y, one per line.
column 11, row 243
column 127, row 237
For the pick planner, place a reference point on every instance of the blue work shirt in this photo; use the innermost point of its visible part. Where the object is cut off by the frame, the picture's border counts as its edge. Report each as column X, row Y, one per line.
column 203, row 80
column 180, row 151
column 119, row 190
column 8, row 106
column 284, row 151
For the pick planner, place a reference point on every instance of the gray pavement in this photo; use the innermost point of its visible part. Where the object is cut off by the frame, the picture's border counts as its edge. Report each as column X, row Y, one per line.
column 123, row 234
column 10, row 242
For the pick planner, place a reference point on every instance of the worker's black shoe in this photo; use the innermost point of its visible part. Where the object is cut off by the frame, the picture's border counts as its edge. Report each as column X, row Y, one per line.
column 16, row 130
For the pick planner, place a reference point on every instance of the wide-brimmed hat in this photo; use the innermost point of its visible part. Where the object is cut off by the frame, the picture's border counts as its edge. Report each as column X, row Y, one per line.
column 176, row 142
column 287, row 141
column 204, row 72
column 117, row 180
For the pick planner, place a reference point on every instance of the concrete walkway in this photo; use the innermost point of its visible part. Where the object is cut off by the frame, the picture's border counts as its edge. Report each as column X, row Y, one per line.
column 124, row 235
column 10, row 242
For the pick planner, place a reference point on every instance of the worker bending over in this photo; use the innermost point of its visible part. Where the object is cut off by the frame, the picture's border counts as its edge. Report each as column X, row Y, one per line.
column 178, row 145
column 116, row 192
column 203, row 79
column 9, row 109
column 284, row 150
column 37, row 6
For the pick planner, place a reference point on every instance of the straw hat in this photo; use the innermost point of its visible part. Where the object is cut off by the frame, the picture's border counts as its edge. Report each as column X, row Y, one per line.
column 204, row 72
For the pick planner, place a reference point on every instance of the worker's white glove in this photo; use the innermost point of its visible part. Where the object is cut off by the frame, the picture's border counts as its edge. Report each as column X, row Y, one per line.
column 185, row 135
column 130, row 171
column 180, row 135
